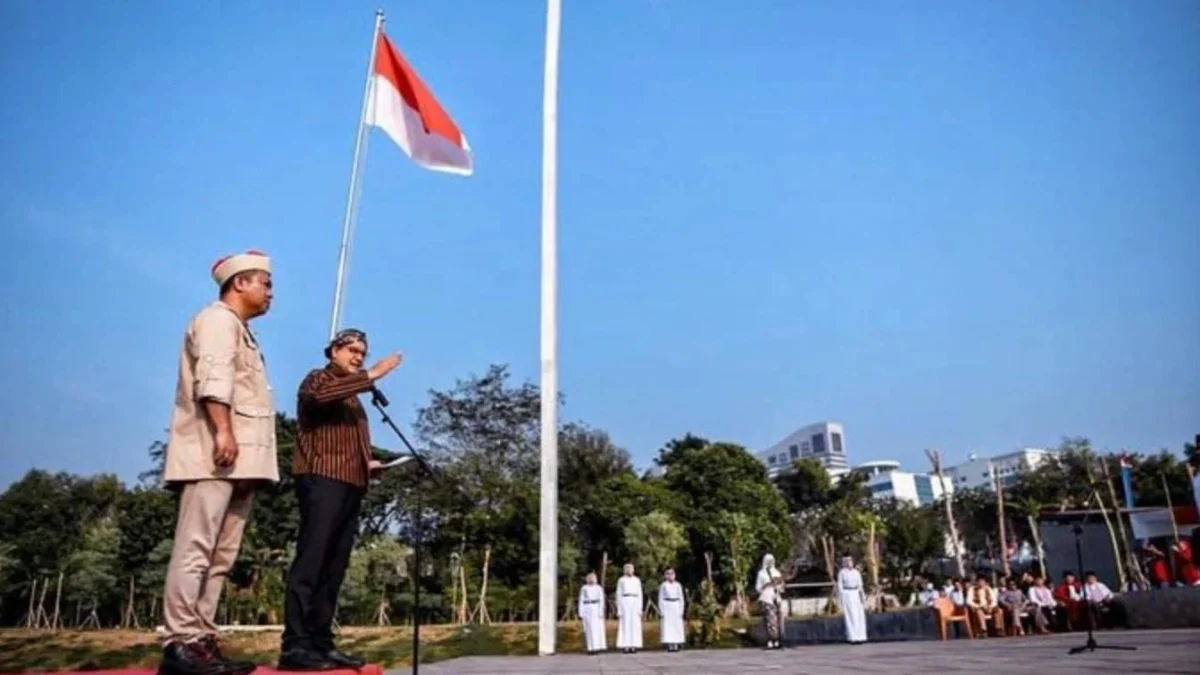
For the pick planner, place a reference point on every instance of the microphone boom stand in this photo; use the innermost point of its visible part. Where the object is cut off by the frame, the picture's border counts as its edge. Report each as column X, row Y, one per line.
column 1090, row 645
column 380, row 402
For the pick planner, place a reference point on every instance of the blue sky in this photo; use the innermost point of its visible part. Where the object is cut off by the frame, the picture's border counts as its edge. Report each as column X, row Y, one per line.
column 956, row 225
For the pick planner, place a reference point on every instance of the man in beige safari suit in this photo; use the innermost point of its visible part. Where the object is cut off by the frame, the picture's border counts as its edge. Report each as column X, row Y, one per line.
column 221, row 446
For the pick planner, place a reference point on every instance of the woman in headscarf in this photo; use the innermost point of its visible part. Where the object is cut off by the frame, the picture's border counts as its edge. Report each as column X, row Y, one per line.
column 769, row 586
column 852, row 598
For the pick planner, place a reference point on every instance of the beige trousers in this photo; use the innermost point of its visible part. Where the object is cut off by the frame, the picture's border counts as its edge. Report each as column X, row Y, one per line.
column 208, row 534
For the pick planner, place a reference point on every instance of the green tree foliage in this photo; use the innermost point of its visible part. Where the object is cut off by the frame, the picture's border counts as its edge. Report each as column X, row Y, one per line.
column 93, row 570
column 654, row 541
column 713, row 483
column 483, row 433
column 807, row 486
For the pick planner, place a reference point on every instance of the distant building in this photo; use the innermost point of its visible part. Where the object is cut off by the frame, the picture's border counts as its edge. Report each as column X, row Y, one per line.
column 980, row 472
column 824, row 441
column 885, row 480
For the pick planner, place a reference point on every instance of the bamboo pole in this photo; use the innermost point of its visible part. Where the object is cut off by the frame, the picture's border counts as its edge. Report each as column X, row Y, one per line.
column 56, row 624
column 1130, row 560
column 1112, row 532
column 1000, row 517
column 1112, row 537
column 41, row 610
column 936, row 459
column 29, row 617
column 482, row 610
column 1170, row 507
column 1037, row 541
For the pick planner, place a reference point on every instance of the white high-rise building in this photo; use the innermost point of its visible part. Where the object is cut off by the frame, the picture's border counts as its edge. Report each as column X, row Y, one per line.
column 824, row 441
column 980, row 472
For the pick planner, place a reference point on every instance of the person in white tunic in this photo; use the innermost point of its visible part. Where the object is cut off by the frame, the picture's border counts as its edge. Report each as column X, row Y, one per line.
column 769, row 586
column 852, row 597
column 591, row 613
column 629, row 611
column 671, row 606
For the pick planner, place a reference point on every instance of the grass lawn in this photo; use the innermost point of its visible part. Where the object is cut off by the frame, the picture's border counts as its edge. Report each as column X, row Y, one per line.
column 27, row 650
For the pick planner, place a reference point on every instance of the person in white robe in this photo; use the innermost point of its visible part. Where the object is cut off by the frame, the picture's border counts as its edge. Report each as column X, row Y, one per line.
column 671, row 607
column 591, row 613
column 852, row 598
column 629, row 611
column 769, row 586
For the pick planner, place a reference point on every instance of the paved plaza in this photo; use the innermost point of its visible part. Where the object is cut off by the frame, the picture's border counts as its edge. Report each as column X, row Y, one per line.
column 1176, row 652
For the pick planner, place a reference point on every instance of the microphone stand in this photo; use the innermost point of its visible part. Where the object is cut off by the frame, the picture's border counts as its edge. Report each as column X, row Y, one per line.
column 380, row 402
column 1092, row 617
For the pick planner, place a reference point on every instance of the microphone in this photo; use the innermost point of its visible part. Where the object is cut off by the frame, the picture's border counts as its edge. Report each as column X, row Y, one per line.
column 378, row 396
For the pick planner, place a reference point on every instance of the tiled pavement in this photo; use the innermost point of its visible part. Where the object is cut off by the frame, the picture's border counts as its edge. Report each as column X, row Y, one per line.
column 1174, row 652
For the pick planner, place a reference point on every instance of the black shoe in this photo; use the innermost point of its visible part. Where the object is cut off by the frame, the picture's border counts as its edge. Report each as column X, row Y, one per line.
column 192, row 658
column 210, row 645
column 345, row 660
column 306, row 660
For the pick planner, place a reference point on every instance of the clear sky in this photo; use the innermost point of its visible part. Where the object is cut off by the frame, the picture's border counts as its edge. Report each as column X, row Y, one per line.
column 970, row 226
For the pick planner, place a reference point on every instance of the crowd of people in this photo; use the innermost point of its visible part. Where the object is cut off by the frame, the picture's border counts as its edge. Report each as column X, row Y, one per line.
column 1028, row 603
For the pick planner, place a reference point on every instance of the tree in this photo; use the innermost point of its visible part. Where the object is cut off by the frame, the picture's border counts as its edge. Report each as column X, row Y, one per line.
column 377, row 568
column 654, row 542
column 806, row 486
column 483, row 433
column 616, row 503
column 92, row 570
column 723, row 478
column 914, row 535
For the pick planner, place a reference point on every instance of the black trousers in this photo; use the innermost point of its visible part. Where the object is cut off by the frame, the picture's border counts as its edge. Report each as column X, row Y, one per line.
column 328, row 524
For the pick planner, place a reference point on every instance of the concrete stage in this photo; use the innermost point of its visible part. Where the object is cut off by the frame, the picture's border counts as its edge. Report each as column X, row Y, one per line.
column 1174, row 652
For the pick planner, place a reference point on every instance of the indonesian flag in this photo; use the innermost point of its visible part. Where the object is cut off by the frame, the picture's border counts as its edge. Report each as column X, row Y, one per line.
column 404, row 108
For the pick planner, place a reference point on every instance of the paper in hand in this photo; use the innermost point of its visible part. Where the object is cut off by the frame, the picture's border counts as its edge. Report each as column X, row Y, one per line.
column 402, row 459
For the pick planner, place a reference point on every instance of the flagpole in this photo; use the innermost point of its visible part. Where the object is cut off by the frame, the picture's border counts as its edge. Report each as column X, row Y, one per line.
column 548, row 532
column 360, row 149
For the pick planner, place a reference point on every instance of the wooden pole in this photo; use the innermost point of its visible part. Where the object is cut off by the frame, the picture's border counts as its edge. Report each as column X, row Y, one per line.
column 32, row 592
column 56, row 624
column 484, row 617
column 1129, row 557
column 1000, row 517
column 936, row 459
column 1170, row 507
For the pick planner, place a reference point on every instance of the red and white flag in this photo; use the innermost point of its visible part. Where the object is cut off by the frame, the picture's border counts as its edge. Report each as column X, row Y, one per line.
column 404, row 108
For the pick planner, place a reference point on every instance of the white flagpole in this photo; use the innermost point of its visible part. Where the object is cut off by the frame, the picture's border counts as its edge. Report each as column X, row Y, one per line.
column 548, row 539
column 360, row 150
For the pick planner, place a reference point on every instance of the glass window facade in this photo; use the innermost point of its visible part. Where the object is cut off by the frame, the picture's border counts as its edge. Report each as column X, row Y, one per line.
column 924, row 490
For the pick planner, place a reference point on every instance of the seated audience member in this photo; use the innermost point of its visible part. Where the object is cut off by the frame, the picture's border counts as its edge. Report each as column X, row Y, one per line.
column 1045, row 605
column 1102, row 608
column 927, row 595
column 1014, row 603
column 948, row 587
column 1155, row 561
column 983, row 605
column 959, row 595
column 1069, row 594
column 1185, row 567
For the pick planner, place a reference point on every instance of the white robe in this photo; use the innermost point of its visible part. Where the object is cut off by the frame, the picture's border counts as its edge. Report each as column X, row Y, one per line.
column 850, row 594
column 629, row 613
column 591, row 612
column 671, row 606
